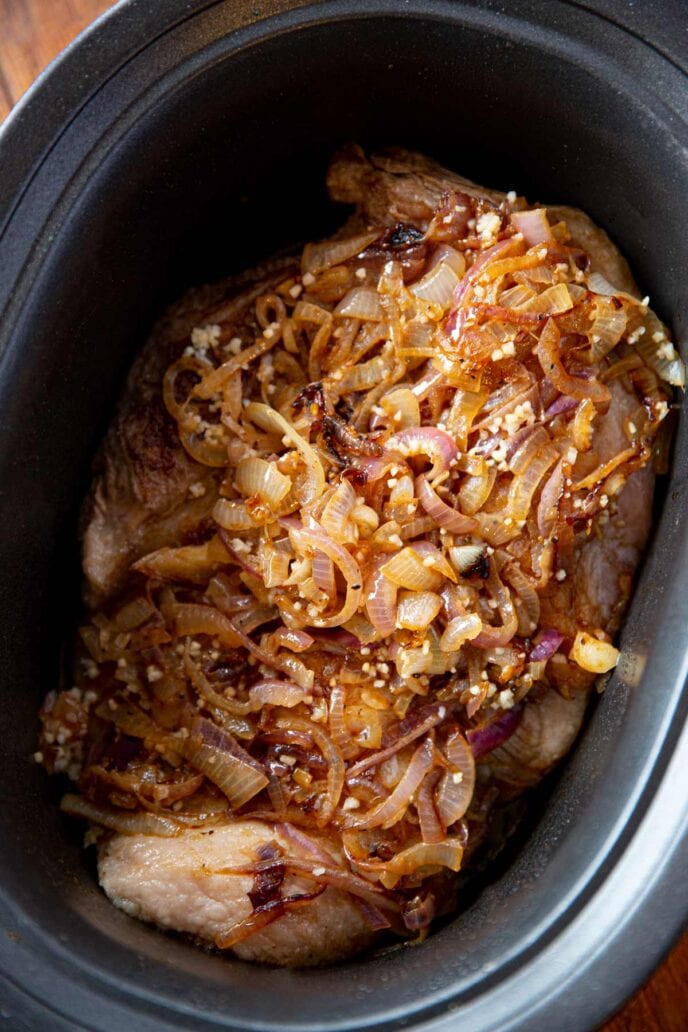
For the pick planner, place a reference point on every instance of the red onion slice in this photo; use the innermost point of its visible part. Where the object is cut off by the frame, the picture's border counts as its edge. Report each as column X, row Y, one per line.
column 276, row 693
column 437, row 445
column 442, row 513
column 548, row 506
column 408, row 730
column 391, row 809
column 484, row 739
column 381, row 600
column 560, row 405
column 533, row 225
column 547, row 644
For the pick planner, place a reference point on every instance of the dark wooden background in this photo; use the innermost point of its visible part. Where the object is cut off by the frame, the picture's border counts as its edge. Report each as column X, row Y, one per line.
column 32, row 32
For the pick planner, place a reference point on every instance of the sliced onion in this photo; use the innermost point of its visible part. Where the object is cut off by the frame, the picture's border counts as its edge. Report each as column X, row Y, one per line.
column 416, row 528
column 401, row 405
column 190, row 619
column 600, row 285
column 602, row 472
column 442, row 513
column 427, row 383
column 416, row 858
column 207, row 691
column 337, row 640
column 475, row 491
column 123, row 821
column 338, row 509
column 271, row 421
column 524, row 485
column 215, row 753
column 455, row 791
column 581, row 425
column 454, row 322
column 484, row 739
column 255, row 476
column 318, row 257
column 550, row 497
column 303, row 843
column 438, row 285
column 417, row 609
column 670, row 369
column 434, row 559
column 548, row 641
column 193, row 563
column 593, row 654
column 407, row 569
column 460, row 630
column 336, row 771
column 419, row 912
column 215, row 380
column 410, row 662
column 327, row 872
column 260, row 918
column 364, row 375
column 558, row 407
column 381, row 600
column 529, row 611
column 233, row 516
column 533, row 225
column 317, row 540
column 553, row 300
column 294, row 668
column 464, row 408
column 431, row 829
column 418, row 723
column 437, row 445
column 276, row 693
column 323, row 574
column 608, row 327
column 524, row 445
column 392, row 809
column 550, row 360
column 448, row 254
column 338, row 729
column 494, row 637
column 297, row 641
column 361, row 303
column 466, row 557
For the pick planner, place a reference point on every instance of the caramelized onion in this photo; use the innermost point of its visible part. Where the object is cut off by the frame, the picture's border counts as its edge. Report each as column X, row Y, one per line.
column 390, row 810
column 436, row 445
column 550, row 359
column 317, row 540
column 488, row 737
column 122, row 821
column 533, row 225
column 420, row 856
column 442, row 513
column 455, row 790
column 216, row 754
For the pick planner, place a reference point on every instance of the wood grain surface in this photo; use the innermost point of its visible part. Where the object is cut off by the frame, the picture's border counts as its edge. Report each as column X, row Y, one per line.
column 32, row 32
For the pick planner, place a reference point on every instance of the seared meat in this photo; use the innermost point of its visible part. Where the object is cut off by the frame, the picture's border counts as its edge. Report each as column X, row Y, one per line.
column 172, row 882
column 150, row 494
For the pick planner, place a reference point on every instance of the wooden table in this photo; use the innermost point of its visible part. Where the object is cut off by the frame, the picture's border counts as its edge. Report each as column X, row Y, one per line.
column 32, row 32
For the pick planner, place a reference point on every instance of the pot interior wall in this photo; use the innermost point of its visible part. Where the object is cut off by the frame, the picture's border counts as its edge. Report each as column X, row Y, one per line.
column 224, row 168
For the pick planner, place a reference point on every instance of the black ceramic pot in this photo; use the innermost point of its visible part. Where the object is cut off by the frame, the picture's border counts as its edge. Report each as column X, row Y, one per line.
column 176, row 142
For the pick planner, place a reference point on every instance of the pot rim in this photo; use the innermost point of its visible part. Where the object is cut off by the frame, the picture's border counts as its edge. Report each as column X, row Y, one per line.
column 600, row 936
